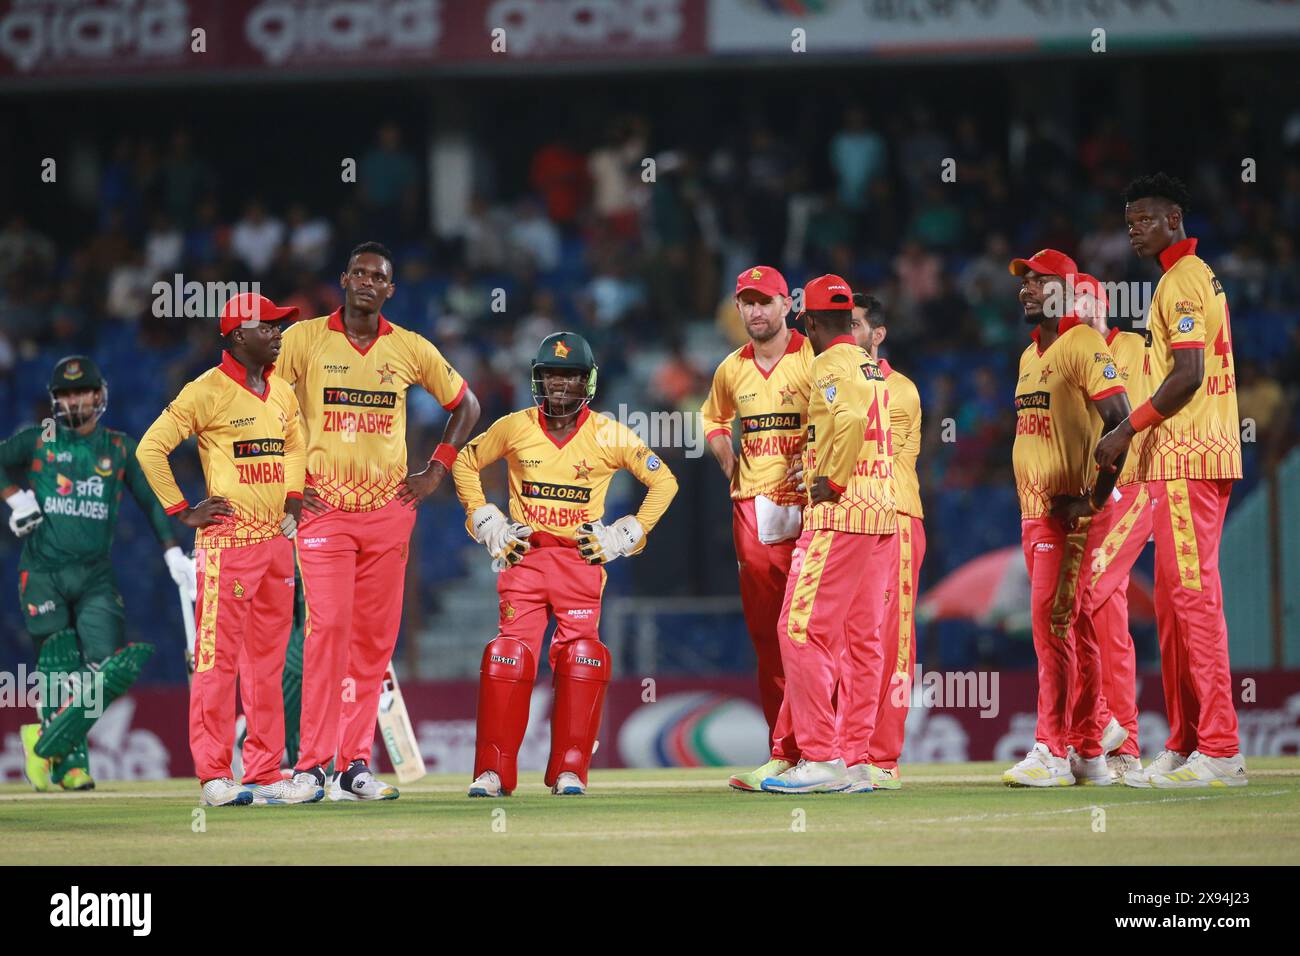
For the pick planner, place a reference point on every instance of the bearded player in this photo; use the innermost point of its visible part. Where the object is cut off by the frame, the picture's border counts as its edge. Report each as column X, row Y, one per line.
column 1116, row 537
column 351, row 371
column 835, row 593
column 76, row 472
column 251, row 448
column 898, row 634
column 551, row 553
column 1064, row 373
column 1188, row 442
column 766, row 384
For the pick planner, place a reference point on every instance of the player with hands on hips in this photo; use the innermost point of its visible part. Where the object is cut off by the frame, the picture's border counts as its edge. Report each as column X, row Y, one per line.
column 550, row 551
column 252, row 452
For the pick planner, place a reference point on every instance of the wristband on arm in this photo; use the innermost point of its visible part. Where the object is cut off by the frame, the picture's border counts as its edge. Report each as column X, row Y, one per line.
column 1144, row 416
column 445, row 455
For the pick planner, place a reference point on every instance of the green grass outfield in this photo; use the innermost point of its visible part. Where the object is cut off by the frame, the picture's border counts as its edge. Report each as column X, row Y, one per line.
column 951, row 813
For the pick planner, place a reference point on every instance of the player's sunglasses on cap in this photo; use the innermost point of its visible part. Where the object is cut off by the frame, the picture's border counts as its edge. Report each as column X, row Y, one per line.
column 251, row 307
column 1046, row 262
column 762, row 279
column 828, row 292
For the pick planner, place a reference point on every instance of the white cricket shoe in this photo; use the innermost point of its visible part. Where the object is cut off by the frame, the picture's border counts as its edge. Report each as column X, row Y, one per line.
column 1120, row 764
column 1088, row 771
column 1040, row 768
column 486, row 784
column 1203, row 771
column 302, row 788
column 810, row 776
column 358, row 783
column 224, row 792
column 860, row 779
column 1113, row 737
column 568, row 784
column 1166, row 761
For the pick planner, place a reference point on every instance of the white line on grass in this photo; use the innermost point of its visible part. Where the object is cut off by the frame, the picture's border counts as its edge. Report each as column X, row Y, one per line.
column 599, row 785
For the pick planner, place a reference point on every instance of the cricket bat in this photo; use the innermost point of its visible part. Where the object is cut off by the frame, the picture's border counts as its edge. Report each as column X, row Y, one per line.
column 395, row 728
column 187, row 615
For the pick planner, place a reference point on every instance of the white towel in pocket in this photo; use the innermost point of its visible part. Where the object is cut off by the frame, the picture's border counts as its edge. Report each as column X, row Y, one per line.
column 776, row 522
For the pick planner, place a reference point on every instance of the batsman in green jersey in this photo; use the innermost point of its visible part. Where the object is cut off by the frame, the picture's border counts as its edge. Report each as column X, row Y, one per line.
column 75, row 474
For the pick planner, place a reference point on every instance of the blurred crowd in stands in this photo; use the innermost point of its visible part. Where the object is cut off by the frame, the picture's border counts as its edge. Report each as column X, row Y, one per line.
column 635, row 242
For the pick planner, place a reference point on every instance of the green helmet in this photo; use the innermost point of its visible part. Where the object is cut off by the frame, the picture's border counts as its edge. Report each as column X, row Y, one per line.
column 564, row 350
column 74, row 373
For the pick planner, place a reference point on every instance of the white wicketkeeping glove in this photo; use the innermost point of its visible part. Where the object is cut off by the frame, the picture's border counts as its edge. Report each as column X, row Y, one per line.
column 181, row 568
column 599, row 543
column 288, row 526
column 27, row 513
column 506, row 541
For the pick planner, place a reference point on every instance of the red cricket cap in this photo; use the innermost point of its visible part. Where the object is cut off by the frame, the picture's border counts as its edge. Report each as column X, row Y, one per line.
column 251, row 307
column 827, row 292
column 1046, row 262
column 762, row 279
column 1085, row 284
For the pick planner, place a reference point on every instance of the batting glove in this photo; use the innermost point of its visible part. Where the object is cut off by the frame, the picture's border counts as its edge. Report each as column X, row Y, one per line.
column 27, row 513
column 182, row 571
column 600, row 544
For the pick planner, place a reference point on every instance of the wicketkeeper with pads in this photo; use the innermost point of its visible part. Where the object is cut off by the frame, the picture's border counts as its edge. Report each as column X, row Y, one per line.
column 550, row 551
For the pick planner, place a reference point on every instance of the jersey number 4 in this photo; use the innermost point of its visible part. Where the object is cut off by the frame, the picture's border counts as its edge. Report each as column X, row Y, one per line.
column 875, row 429
column 1223, row 341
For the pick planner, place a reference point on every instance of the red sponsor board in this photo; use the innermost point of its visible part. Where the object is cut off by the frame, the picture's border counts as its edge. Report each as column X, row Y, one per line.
column 103, row 39
column 672, row 722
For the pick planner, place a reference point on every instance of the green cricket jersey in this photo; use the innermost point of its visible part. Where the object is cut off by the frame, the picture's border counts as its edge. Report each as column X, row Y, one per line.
column 78, row 481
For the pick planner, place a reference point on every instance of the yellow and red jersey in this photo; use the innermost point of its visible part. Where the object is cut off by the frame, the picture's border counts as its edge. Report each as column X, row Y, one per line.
column 1056, row 427
column 1190, row 311
column 905, row 435
column 250, row 446
column 1130, row 352
column 557, row 485
column 353, row 403
column 849, row 442
column 773, row 411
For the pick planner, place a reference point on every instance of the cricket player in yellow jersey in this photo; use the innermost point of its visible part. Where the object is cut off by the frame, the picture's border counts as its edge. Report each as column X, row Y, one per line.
column 350, row 372
column 765, row 384
column 1064, row 372
column 1116, row 537
column 550, row 552
column 835, row 594
column 898, row 632
column 1188, row 442
column 246, row 420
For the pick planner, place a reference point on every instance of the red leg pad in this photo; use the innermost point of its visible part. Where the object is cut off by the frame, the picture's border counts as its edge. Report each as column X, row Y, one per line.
column 504, row 687
column 581, row 676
